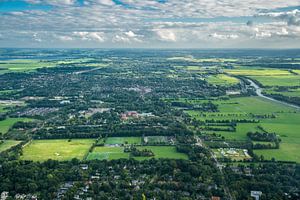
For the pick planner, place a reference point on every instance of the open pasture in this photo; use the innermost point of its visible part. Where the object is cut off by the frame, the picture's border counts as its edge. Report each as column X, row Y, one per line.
column 257, row 72
column 60, row 149
column 6, row 124
column 7, row 144
column 23, row 65
column 269, row 81
column 290, row 92
column 286, row 124
column 222, row 79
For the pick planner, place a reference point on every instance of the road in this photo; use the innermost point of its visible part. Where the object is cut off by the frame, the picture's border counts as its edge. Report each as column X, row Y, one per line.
column 258, row 91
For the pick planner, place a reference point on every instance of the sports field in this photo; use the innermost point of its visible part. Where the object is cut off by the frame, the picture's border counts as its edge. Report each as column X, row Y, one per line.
column 107, row 153
column 41, row 150
column 123, row 140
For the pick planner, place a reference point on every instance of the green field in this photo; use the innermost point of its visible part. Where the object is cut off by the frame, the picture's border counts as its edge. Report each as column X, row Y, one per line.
column 257, row 72
column 111, row 153
column 222, row 79
column 41, row 150
column 7, row 144
column 290, row 92
column 23, row 65
column 286, row 124
column 107, row 153
column 163, row 152
column 268, row 81
column 7, row 123
column 123, row 140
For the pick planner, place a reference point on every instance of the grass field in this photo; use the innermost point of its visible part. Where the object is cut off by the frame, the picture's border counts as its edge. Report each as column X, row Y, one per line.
column 123, row 140
column 111, row 153
column 286, row 124
column 107, row 153
column 290, row 92
column 23, row 65
column 222, row 79
column 258, row 72
column 288, row 81
column 7, row 144
column 7, row 123
column 163, row 152
column 41, row 150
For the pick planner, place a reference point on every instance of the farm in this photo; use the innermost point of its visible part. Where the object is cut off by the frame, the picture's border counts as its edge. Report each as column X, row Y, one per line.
column 271, row 116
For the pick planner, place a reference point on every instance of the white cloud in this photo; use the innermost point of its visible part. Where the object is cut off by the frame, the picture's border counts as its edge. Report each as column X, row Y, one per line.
column 224, row 37
column 291, row 17
column 90, row 36
column 64, row 38
column 166, row 35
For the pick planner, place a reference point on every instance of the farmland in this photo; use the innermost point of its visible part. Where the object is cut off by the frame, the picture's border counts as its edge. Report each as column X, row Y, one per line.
column 222, row 79
column 138, row 120
column 7, row 144
column 9, row 122
column 23, row 65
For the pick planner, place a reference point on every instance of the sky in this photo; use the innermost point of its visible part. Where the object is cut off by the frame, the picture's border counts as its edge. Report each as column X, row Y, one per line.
column 150, row 23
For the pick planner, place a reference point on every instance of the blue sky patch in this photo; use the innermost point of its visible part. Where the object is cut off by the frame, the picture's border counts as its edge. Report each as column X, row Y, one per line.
column 10, row 6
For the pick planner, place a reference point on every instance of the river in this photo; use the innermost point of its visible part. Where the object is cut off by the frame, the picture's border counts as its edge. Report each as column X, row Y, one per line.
column 258, row 91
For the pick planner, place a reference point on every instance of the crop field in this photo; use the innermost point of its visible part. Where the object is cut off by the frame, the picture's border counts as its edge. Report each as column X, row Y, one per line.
column 9, row 122
column 7, row 144
column 222, row 79
column 107, row 153
column 123, row 140
column 41, row 150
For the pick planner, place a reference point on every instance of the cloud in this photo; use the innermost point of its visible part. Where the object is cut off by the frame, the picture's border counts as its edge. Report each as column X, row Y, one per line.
column 90, row 36
column 152, row 22
column 64, row 38
column 53, row 2
column 166, row 35
column 224, row 37
column 291, row 17
column 127, row 37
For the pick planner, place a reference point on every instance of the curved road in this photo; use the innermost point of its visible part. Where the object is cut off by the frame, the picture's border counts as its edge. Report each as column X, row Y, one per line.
column 258, row 91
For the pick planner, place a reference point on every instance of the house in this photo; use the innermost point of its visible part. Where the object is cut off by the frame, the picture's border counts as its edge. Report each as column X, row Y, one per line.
column 4, row 195
column 215, row 198
column 84, row 167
